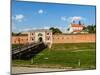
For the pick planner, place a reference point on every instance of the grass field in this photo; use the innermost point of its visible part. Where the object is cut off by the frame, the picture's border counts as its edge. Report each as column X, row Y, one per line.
column 16, row 45
column 80, row 55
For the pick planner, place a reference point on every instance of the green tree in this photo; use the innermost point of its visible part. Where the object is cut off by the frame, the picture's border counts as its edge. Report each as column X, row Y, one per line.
column 55, row 30
column 94, row 28
column 91, row 29
column 16, row 34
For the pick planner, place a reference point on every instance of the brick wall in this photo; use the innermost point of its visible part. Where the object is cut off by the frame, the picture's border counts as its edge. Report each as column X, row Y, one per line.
column 79, row 38
column 19, row 39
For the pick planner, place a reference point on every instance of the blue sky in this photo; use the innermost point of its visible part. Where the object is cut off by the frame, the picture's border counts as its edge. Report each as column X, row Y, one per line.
column 32, row 15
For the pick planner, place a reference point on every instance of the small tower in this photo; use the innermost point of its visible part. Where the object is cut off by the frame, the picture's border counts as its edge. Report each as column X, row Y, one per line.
column 73, row 22
column 80, row 23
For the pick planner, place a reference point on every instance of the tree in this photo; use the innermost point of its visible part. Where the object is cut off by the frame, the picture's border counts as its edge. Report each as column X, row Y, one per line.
column 16, row 34
column 94, row 28
column 91, row 29
column 85, row 29
column 55, row 30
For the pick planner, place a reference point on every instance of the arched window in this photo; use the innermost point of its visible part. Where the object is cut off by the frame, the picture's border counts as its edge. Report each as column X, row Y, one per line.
column 32, row 33
column 32, row 39
column 47, row 33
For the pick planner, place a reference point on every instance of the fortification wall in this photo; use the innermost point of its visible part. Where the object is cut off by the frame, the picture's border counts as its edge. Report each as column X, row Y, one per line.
column 78, row 38
column 19, row 39
column 71, row 38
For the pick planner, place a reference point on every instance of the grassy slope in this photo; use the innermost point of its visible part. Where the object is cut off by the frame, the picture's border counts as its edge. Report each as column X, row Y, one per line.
column 65, row 55
column 16, row 45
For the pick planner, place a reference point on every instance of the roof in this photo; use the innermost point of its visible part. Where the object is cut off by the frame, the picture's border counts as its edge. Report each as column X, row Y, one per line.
column 76, row 25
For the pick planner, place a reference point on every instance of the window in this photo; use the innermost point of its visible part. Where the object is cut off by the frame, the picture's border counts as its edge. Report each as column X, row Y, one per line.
column 47, row 33
column 48, row 38
column 32, row 33
column 32, row 38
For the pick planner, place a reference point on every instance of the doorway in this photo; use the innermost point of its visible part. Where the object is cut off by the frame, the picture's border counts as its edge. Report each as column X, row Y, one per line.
column 40, row 39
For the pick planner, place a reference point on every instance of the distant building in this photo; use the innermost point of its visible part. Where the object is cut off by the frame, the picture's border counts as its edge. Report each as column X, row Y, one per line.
column 76, row 28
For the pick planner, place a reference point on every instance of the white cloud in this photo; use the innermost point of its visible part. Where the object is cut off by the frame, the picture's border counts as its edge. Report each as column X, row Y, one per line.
column 27, row 29
column 40, row 11
column 18, row 17
column 63, row 29
column 75, row 18
column 64, row 18
column 46, row 27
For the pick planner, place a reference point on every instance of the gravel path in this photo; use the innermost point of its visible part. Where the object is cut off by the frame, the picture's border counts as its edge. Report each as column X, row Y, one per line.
column 17, row 70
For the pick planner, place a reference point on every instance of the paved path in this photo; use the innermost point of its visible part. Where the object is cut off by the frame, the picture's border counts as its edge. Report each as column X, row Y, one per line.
column 16, row 70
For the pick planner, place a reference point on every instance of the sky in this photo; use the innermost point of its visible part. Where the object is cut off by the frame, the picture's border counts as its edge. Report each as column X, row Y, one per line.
column 34, row 15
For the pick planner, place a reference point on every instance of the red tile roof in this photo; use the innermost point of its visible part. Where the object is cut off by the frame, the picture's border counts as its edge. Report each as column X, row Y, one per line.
column 76, row 25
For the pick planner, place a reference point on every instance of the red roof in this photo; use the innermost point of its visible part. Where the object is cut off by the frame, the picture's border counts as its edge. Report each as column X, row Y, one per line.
column 76, row 25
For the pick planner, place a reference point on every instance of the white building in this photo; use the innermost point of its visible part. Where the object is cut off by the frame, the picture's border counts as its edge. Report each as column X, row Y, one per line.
column 75, row 28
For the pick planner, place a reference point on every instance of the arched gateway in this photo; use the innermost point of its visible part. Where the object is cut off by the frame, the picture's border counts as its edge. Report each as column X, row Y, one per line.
column 40, row 39
column 41, row 35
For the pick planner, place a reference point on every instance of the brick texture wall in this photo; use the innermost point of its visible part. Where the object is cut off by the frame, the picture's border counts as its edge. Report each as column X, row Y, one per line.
column 79, row 38
column 19, row 39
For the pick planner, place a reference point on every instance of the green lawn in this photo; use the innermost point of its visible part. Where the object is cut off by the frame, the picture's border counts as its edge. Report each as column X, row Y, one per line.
column 80, row 55
column 16, row 45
